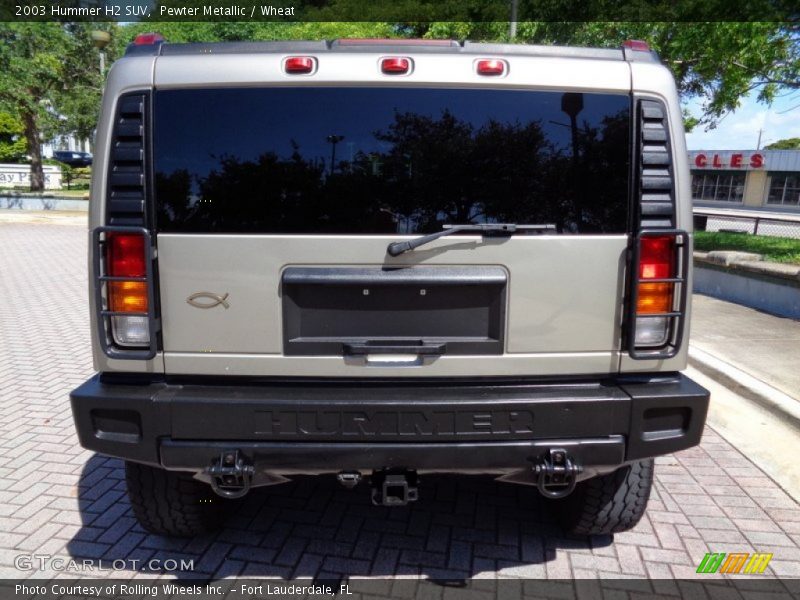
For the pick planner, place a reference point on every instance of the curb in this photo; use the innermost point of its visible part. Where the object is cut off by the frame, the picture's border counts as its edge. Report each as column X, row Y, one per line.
column 775, row 401
column 743, row 263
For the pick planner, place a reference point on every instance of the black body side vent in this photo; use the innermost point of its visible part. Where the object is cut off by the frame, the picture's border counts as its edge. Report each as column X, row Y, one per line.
column 656, row 178
column 127, row 183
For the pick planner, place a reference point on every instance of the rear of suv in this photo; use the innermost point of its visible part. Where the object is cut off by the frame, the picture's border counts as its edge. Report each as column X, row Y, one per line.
column 387, row 259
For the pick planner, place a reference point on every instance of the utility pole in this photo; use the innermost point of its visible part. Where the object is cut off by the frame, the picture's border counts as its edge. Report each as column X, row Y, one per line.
column 758, row 145
column 512, row 26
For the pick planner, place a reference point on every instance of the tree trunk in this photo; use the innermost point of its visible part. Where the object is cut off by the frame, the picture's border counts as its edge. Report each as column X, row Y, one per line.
column 35, row 151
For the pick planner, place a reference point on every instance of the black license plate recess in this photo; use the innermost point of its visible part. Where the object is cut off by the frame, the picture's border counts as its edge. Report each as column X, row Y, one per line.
column 415, row 310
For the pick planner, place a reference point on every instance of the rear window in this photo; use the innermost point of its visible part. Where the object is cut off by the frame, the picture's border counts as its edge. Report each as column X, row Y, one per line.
column 388, row 160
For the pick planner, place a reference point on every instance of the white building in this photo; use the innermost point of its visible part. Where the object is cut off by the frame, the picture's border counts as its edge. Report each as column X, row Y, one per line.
column 65, row 142
column 763, row 179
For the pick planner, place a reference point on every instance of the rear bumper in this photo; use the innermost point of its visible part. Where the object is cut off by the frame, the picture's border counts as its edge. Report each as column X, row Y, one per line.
column 290, row 428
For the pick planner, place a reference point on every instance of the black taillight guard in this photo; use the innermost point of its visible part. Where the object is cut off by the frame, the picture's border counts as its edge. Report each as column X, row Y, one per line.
column 676, row 318
column 103, row 315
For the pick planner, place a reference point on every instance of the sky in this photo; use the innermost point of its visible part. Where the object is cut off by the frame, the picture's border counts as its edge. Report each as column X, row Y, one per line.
column 739, row 130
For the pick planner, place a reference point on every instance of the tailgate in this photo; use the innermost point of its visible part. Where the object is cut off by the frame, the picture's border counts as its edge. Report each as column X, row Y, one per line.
column 560, row 312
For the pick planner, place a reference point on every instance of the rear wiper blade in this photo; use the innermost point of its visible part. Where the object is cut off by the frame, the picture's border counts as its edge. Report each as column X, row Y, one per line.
column 397, row 248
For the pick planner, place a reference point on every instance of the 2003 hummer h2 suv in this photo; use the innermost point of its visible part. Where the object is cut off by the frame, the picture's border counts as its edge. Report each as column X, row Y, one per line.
column 385, row 259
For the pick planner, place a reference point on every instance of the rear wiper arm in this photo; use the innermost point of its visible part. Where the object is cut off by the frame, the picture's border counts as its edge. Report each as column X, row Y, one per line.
column 397, row 248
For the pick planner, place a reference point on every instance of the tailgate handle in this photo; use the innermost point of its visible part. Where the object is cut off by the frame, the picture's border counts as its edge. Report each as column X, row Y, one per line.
column 393, row 347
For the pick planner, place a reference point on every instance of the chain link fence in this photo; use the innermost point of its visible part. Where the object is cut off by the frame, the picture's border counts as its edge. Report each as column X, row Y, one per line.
column 757, row 224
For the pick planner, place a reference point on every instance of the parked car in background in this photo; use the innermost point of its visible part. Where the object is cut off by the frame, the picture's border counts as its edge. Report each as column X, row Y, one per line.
column 73, row 159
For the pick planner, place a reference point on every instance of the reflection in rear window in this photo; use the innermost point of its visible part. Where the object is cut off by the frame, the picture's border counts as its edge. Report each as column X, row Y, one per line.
column 388, row 160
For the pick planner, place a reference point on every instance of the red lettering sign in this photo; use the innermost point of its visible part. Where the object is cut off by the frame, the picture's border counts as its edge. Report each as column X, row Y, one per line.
column 738, row 160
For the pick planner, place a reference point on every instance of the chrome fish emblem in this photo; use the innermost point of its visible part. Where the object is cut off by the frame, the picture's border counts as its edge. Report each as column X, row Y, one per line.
column 214, row 300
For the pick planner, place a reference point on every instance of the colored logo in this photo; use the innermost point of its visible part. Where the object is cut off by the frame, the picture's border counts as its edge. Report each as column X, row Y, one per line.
column 735, row 563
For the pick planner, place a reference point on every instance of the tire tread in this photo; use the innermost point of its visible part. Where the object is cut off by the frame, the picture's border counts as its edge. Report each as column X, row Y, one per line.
column 171, row 503
column 607, row 504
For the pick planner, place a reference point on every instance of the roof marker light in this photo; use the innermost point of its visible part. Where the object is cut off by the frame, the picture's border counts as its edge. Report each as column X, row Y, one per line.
column 638, row 45
column 298, row 65
column 491, row 66
column 395, row 65
column 148, row 39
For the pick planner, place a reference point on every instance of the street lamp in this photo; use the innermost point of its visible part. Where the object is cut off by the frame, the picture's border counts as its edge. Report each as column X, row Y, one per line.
column 572, row 105
column 101, row 39
column 333, row 140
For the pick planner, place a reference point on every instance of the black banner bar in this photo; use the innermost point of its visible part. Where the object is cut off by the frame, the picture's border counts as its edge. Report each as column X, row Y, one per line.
column 398, row 11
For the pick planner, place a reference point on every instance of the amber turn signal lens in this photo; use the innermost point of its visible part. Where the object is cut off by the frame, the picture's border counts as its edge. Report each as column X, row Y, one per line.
column 654, row 298
column 127, row 296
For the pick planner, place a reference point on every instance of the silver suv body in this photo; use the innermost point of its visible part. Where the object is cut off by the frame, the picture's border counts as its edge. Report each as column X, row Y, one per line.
column 393, row 258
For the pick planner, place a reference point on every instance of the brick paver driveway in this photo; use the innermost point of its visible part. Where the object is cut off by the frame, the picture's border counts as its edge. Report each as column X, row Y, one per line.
column 58, row 499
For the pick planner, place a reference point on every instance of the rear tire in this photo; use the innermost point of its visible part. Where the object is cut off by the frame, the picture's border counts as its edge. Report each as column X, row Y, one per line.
column 172, row 503
column 609, row 503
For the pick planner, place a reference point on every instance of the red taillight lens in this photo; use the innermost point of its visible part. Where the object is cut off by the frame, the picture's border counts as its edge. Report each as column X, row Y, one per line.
column 657, row 257
column 297, row 65
column 126, row 255
column 395, row 65
column 147, row 39
column 636, row 45
column 656, row 261
column 491, row 67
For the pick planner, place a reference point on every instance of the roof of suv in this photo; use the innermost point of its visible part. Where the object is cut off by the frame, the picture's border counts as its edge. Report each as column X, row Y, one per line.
column 156, row 47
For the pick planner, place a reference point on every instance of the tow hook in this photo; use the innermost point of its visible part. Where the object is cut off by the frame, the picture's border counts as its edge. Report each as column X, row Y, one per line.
column 556, row 473
column 349, row 479
column 230, row 476
column 394, row 488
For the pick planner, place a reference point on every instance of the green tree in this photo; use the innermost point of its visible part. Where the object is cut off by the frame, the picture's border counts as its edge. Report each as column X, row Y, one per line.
column 49, row 79
column 720, row 62
column 785, row 144
column 13, row 145
column 180, row 32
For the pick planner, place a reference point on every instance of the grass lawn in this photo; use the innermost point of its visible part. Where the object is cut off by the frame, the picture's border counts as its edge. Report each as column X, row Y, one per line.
column 71, row 193
column 775, row 249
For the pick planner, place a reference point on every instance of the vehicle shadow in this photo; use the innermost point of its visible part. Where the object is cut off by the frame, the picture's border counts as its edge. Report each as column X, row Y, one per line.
column 312, row 527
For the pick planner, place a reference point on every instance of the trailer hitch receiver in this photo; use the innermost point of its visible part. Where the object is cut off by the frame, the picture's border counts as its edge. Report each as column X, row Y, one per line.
column 394, row 488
